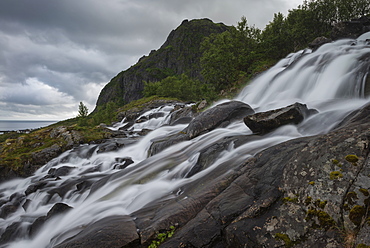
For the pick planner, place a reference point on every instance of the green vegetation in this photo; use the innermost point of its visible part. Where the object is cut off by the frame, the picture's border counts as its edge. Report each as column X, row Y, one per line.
column 285, row 238
column 290, row 199
column 351, row 197
column 308, row 200
column 18, row 150
column 362, row 246
column 320, row 204
column 232, row 57
column 334, row 175
column 104, row 114
column 181, row 87
column 228, row 56
column 365, row 192
column 325, row 220
column 351, row 158
column 142, row 103
column 357, row 214
column 82, row 114
column 82, row 110
column 161, row 237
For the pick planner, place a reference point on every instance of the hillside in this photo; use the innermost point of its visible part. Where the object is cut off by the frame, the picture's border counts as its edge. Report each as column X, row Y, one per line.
column 179, row 54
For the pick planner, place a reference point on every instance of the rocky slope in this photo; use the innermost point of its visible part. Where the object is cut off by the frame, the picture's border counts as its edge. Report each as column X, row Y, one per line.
column 179, row 54
column 306, row 192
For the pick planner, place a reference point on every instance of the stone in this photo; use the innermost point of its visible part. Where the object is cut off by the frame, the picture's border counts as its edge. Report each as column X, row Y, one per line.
column 122, row 163
column 319, row 41
column 202, row 105
column 34, row 187
column 110, row 146
column 61, row 171
column 113, row 231
column 57, row 209
column 181, row 115
column 10, row 233
column 265, row 122
column 156, row 115
column 220, row 115
column 214, row 117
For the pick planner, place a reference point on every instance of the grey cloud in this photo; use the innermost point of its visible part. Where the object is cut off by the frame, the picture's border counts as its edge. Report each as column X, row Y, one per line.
column 69, row 49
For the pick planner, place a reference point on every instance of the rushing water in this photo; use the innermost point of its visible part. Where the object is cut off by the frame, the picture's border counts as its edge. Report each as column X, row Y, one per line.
column 331, row 80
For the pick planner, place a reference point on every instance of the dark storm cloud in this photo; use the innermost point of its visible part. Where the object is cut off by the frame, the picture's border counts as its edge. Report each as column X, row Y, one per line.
column 54, row 54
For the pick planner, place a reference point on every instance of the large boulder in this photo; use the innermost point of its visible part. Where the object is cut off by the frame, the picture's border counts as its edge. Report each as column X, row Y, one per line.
column 218, row 116
column 265, row 122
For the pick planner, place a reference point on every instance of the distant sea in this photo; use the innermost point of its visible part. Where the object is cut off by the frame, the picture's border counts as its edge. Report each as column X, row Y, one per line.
column 8, row 125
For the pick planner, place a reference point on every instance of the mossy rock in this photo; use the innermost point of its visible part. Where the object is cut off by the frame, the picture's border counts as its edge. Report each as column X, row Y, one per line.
column 325, row 220
column 365, row 192
column 285, row 238
column 351, row 158
column 334, row 175
column 356, row 214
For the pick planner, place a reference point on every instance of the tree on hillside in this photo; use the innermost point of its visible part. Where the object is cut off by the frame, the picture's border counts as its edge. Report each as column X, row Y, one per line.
column 275, row 38
column 82, row 110
column 227, row 56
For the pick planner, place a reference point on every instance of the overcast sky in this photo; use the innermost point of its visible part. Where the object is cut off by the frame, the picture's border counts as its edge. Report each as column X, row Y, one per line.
column 56, row 53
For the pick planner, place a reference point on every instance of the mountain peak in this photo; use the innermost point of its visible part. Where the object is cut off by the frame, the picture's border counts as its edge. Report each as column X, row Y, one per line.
column 179, row 54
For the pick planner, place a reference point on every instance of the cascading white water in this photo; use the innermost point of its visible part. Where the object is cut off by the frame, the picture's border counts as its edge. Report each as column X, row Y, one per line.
column 331, row 80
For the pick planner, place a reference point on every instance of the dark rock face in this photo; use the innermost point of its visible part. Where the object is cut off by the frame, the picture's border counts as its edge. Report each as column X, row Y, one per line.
column 110, row 146
column 182, row 115
column 58, row 208
column 114, row 231
column 184, row 43
column 265, row 122
column 123, row 163
column 301, row 193
column 351, row 29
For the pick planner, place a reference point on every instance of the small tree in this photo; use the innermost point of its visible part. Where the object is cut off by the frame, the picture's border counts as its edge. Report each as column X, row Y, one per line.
column 82, row 110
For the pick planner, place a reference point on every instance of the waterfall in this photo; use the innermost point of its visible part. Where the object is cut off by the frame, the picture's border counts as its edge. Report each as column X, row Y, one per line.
column 331, row 79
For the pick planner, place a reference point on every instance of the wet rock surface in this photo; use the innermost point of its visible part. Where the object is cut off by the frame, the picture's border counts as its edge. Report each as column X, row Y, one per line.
column 302, row 193
column 57, row 209
column 305, row 192
column 265, row 122
column 218, row 116
column 114, row 231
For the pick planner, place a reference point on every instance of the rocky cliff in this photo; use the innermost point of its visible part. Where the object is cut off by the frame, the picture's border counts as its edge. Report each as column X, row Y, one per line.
column 179, row 54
